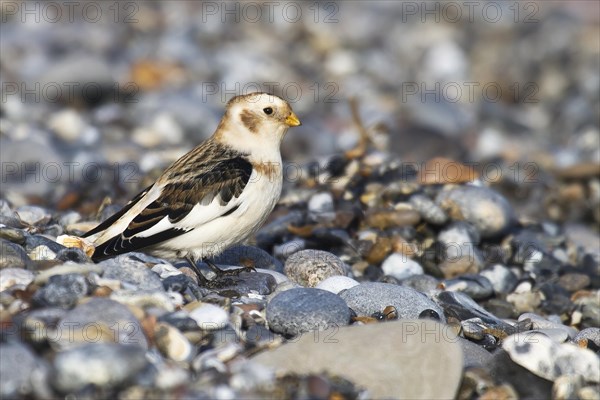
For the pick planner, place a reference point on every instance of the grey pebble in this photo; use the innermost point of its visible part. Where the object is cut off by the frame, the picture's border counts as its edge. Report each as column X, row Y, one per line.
column 129, row 271
column 13, row 256
column 99, row 320
column 37, row 326
column 371, row 297
column 244, row 255
column 10, row 277
column 301, row 310
column 105, row 365
column 476, row 286
column 273, row 231
column 5, row 209
column 33, row 215
column 17, row 363
column 73, row 254
column 33, row 241
column 248, row 282
column 184, row 285
column 180, row 320
column 503, row 280
column 421, row 283
column 62, row 291
column 485, row 208
column 13, row 235
column 429, row 211
column 463, row 307
column 474, row 355
column 460, row 253
column 539, row 322
column 591, row 334
column 310, row 267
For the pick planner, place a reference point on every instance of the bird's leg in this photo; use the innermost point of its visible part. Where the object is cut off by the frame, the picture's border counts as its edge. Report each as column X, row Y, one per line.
column 227, row 272
column 201, row 278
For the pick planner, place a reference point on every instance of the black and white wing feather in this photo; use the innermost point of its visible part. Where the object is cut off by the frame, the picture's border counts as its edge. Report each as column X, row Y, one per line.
column 195, row 190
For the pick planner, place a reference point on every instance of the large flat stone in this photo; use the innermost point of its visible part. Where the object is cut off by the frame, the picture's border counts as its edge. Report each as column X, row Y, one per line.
column 409, row 359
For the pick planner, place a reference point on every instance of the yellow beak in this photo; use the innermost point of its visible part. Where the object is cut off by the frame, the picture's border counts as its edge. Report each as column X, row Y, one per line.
column 292, row 120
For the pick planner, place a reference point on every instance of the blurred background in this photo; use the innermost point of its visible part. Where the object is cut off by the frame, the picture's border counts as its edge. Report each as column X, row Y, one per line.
column 98, row 97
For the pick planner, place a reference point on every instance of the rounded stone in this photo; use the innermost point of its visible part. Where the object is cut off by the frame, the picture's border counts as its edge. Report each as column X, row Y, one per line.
column 301, row 310
column 10, row 277
column 371, row 297
column 321, row 206
column 17, row 363
column 62, row 291
column 99, row 320
column 589, row 334
column 429, row 211
column 309, row 267
column 476, row 286
column 486, row 209
column 105, row 365
column 400, row 266
column 549, row 359
column 336, row 284
column 248, row 256
column 131, row 272
column 209, row 317
column 503, row 280
column 459, row 249
column 12, row 255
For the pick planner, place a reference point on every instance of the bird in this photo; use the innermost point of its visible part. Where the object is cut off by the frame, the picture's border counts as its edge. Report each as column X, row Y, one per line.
column 211, row 198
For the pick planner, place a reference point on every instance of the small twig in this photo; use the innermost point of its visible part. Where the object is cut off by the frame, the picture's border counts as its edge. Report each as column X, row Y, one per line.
column 363, row 141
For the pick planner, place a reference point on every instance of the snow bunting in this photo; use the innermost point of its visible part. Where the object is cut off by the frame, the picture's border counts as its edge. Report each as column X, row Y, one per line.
column 215, row 196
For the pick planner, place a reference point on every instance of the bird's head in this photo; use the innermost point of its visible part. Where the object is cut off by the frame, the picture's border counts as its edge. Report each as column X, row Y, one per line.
column 256, row 122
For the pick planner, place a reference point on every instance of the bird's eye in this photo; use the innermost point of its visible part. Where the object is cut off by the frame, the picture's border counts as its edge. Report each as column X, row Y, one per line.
column 268, row 110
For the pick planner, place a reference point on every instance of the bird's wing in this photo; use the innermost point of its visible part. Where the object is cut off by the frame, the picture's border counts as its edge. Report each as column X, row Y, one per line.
column 112, row 219
column 210, row 193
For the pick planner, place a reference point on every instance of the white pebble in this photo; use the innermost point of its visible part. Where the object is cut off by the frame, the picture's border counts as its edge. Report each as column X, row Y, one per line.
column 337, row 283
column 14, row 276
column 400, row 266
column 209, row 317
column 279, row 277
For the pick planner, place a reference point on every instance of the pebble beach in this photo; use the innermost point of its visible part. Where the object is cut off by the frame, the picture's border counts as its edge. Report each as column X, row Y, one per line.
column 438, row 232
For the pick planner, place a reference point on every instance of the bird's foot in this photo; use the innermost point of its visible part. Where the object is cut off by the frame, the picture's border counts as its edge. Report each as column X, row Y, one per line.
column 228, row 272
column 221, row 279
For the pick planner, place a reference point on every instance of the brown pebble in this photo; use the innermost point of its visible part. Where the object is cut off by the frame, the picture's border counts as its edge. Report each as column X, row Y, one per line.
column 580, row 171
column 379, row 251
column 384, row 219
column 390, row 313
column 574, row 281
column 102, row 291
column 502, row 392
column 459, row 266
column 442, row 170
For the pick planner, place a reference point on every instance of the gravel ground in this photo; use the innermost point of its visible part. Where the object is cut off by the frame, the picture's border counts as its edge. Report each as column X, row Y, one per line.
column 437, row 236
